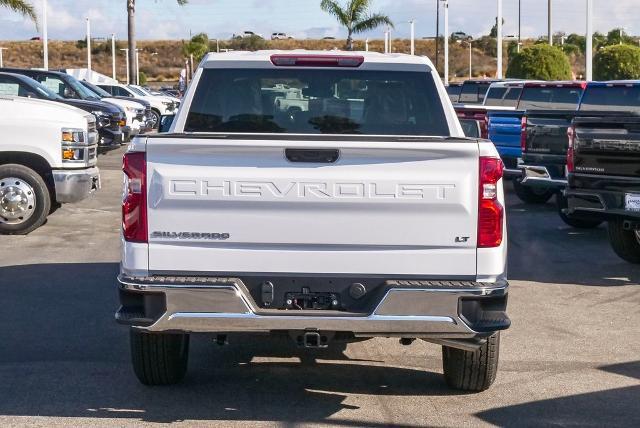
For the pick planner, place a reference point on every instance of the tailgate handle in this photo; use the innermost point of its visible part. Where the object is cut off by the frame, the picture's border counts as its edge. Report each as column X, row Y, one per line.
column 312, row 155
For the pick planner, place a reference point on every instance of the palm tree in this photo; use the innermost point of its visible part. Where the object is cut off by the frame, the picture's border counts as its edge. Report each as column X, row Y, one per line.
column 20, row 6
column 355, row 16
column 131, row 32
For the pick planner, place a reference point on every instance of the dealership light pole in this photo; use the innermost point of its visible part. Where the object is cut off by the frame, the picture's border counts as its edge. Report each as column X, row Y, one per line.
column 589, row 53
column 137, row 66
column 1, row 59
column 88, row 44
column 113, row 56
column 126, row 52
column 438, row 35
column 499, row 36
column 45, row 36
column 519, row 24
column 550, row 22
column 446, row 42
column 413, row 36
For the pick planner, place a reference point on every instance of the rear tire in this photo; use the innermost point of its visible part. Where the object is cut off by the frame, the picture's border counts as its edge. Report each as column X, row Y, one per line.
column 472, row 371
column 159, row 359
column 625, row 243
column 531, row 195
column 577, row 222
column 29, row 188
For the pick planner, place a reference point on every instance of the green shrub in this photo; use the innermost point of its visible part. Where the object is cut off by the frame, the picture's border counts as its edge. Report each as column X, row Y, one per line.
column 143, row 78
column 541, row 62
column 617, row 63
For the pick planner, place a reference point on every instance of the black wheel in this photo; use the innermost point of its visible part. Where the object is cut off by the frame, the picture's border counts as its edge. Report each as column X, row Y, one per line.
column 159, row 359
column 472, row 371
column 25, row 201
column 531, row 195
column 155, row 120
column 574, row 221
column 626, row 243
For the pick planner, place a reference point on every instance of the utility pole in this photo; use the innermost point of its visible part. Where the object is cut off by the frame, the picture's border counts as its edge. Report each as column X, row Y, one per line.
column 499, row 73
column 366, row 45
column 437, row 35
column 550, row 22
column 413, row 36
column 589, row 53
column 2, row 59
column 126, row 52
column 45, row 35
column 113, row 55
column 88, row 44
column 446, row 42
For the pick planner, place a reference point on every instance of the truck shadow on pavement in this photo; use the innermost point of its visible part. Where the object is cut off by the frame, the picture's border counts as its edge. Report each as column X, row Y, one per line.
column 63, row 355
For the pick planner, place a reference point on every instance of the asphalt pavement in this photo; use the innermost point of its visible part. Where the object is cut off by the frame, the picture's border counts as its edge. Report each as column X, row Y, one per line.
column 571, row 357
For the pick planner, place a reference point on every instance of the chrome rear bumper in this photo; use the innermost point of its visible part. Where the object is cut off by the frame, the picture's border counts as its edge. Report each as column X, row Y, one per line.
column 222, row 305
column 539, row 176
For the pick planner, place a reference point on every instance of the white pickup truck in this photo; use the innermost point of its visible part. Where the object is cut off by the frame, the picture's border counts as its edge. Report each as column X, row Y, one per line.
column 368, row 215
column 47, row 157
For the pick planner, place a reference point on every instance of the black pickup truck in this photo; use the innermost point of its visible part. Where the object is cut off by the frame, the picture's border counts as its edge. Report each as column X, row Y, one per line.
column 544, row 139
column 604, row 174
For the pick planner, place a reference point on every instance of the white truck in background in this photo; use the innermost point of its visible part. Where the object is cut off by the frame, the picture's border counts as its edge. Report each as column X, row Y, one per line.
column 48, row 155
column 367, row 215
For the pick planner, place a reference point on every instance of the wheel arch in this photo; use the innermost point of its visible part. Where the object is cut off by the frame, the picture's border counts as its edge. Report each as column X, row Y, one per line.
column 31, row 160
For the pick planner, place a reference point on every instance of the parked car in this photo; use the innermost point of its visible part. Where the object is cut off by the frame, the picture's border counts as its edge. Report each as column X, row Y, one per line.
column 280, row 36
column 47, row 157
column 135, row 110
column 246, row 35
column 460, row 36
column 110, row 119
column 604, row 171
column 149, row 93
column 453, row 90
column 505, row 128
column 159, row 106
column 544, row 139
column 408, row 221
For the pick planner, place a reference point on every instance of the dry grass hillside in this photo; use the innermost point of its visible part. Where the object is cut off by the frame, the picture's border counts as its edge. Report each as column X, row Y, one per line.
column 162, row 60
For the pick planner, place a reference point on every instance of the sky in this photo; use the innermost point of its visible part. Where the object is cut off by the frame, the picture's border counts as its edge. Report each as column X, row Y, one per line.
column 164, row 19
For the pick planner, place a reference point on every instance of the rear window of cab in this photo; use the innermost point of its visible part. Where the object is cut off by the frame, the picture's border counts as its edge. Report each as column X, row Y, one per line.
column 317, row 101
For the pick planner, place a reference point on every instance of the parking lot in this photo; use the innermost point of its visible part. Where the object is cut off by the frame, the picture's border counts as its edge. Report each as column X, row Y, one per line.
column 572, row 356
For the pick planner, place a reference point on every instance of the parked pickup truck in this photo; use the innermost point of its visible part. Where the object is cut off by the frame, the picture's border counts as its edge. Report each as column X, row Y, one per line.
column 110, row 119
column 604, row 172
column 43, row 162
column 501, row 96
column 544, row 140
column 505, row 128
column 335, row 224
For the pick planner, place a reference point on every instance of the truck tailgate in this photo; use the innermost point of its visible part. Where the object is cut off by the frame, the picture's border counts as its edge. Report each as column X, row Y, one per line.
column 608, row 145
column 385, row 207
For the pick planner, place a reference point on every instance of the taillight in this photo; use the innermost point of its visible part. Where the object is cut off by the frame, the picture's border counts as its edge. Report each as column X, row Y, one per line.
column 134, row 202
column 523, row 134
column 571, row 135
column 293, row 60
column 490, row 210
